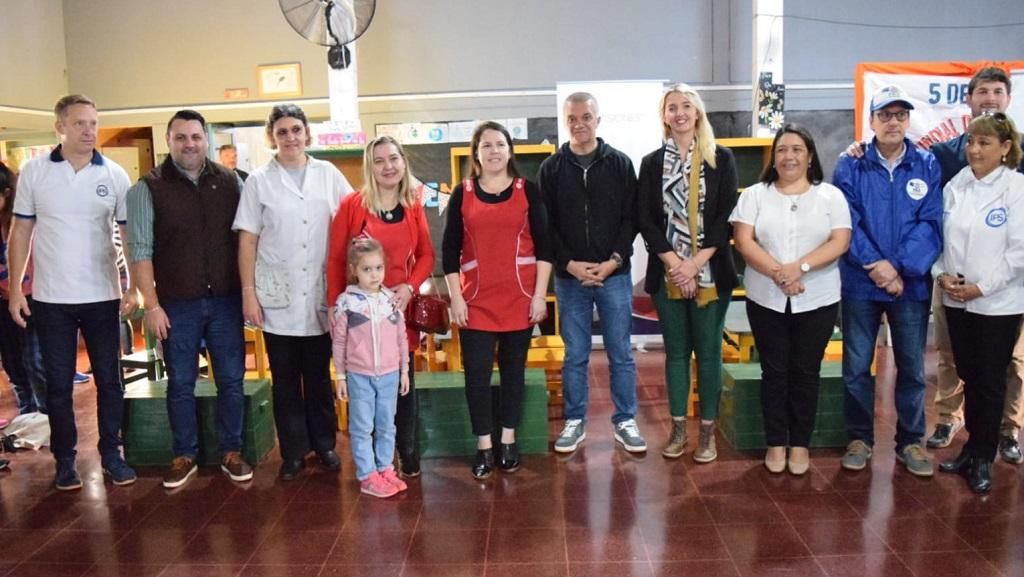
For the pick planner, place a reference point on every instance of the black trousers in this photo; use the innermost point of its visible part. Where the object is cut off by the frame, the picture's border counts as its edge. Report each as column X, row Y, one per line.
column 982, row 349
column 303, row 397
column 791, row 346
column 407, row 417
column 478, row 361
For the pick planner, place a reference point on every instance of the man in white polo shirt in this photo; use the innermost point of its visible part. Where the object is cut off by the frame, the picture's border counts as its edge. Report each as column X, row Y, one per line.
column 70, row 200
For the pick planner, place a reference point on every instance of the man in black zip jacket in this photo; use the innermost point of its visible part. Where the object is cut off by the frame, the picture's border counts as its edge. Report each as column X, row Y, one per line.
column 589, row 190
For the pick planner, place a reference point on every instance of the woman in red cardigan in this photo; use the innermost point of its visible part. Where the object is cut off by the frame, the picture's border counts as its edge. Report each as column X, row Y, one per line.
column 389, row 210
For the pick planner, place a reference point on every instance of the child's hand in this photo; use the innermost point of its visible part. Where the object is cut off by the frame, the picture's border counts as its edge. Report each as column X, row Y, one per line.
column 403, row 384
column 342, row 389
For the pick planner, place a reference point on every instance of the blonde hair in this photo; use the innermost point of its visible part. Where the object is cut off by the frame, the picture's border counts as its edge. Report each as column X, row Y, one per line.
column 371, row 192
column 70, row 100
column 703, row 133
column 359, row 247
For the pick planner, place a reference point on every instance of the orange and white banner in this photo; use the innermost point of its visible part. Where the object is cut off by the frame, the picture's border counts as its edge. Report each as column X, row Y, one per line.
column 938, row 91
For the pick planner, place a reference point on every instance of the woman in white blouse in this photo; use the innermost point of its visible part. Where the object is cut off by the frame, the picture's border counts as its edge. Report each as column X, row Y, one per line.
column 284, row 219
column 981, row 274
column 791, row 228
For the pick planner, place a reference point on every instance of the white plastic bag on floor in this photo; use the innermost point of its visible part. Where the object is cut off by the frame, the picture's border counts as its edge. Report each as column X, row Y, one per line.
column 32, row 431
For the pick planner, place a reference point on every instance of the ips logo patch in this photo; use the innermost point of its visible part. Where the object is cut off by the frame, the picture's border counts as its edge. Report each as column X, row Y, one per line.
column 102, row 190
column 917, row 188
column 996, row 217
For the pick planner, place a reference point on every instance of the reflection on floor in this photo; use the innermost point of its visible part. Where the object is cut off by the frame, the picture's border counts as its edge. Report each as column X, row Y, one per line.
column 597, row 512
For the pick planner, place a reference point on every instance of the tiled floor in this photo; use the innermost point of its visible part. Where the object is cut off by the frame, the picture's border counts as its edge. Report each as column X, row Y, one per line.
column 598, row 512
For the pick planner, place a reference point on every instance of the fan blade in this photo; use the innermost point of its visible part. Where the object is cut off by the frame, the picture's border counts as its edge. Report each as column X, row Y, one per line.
column 313, row 27
column 287, row 11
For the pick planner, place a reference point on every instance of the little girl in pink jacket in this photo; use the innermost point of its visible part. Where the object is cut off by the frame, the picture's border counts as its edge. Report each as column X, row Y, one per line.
column 371, row 359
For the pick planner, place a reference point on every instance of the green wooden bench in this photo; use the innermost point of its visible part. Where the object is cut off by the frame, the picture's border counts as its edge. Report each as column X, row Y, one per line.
column 444, row 427
column 742, row 422
column 147, row 430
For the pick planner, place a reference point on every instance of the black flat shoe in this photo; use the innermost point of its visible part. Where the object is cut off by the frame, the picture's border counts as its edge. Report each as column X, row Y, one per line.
column 410, row 465
column 290, row 469
column 330, row 460
column 980, row 477
column 483, row 463
column 961, row 465
column 509, row 457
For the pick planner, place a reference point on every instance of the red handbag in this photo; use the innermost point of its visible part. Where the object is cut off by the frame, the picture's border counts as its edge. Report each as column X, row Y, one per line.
column 428, row 313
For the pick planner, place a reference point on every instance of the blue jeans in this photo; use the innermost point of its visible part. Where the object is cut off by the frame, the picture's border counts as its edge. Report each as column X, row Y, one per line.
column 58, row 326
column 908, row 321
column 33, row 357
column 372, row 401
column 23, row 361
column 217, row 321
column 575, row 313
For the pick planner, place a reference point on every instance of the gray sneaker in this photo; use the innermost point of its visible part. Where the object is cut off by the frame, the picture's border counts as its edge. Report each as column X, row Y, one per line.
column 676, row 445
column 571, row 436
column 628, row 435
column 943, row 435
column 857, row 455
column 916, row 459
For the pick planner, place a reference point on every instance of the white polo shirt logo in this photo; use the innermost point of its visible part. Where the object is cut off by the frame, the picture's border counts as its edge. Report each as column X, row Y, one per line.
column 102, row 190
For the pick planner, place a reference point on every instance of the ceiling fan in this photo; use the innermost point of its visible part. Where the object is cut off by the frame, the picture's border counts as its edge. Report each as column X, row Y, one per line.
column 331, row 23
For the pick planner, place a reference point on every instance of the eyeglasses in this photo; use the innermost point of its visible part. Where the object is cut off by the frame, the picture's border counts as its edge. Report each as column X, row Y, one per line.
column 886, row 116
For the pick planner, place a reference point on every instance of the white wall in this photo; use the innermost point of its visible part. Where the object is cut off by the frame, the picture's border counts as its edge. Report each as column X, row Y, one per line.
column 33, row 54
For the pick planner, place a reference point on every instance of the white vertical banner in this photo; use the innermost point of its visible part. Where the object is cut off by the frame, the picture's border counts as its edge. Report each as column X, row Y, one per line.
column 630, row 119
column 768, row 86
column 343, row 92
column 630, row 122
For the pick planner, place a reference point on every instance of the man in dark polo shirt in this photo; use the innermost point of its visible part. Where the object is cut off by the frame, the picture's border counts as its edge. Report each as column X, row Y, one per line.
column 184, row 257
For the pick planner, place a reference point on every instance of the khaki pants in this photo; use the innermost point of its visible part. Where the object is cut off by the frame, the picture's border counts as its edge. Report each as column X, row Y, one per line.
column 949, row 394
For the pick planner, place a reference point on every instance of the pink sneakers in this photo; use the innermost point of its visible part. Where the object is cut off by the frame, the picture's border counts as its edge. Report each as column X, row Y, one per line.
column 378, row 486
column 390, row 476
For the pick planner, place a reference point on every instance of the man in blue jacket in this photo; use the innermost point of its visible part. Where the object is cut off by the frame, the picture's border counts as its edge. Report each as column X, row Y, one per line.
column 896, row 211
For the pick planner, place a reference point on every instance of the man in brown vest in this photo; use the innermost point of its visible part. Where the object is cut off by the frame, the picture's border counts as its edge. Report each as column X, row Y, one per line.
column 184, row 257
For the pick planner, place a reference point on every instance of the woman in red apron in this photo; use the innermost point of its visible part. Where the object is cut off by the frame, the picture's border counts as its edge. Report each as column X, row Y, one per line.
column 497, row 262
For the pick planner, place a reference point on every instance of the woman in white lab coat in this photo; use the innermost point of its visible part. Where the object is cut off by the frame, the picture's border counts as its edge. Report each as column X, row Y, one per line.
column 981, row 274
column 284, row 221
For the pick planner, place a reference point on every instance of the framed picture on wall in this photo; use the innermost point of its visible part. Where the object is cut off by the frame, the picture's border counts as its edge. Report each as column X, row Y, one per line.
column 279, row 80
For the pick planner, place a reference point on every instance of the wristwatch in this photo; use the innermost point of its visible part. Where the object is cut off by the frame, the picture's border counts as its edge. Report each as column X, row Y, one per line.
column 618, row 259
column 805, row 267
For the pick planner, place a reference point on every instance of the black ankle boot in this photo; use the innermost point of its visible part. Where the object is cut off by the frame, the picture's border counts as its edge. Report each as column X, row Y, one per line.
column 410, row 465
column 290, row 469
column 960, row 465
column 509, row 459
column 483, row 463
column 980, row 477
